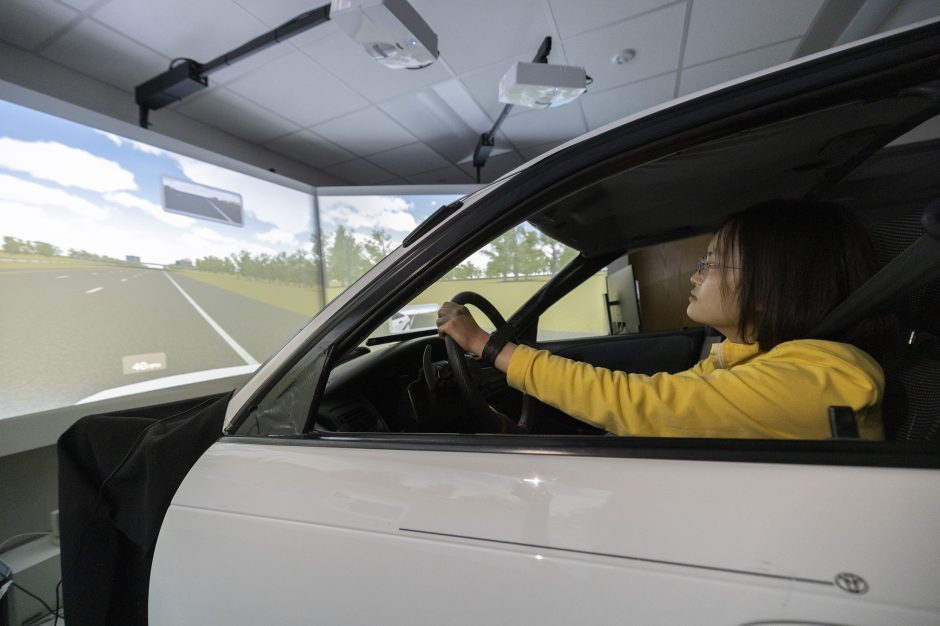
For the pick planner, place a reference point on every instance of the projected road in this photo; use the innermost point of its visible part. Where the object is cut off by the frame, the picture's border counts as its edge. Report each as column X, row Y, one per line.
column 69, row 334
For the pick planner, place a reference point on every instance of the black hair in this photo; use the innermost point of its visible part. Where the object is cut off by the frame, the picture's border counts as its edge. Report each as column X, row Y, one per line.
column 797, row 261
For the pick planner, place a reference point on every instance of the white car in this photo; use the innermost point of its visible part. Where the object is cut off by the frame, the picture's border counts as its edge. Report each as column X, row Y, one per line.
column 354, row 484
column 404, row 320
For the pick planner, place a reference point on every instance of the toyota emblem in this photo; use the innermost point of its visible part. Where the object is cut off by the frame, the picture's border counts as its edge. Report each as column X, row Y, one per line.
column 852, row 583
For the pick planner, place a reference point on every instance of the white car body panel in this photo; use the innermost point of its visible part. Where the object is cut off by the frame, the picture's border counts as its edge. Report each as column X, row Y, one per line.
column 335, row 535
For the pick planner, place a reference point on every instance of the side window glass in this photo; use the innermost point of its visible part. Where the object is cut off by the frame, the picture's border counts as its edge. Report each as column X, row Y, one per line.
column 581, row 313
column 643, row 291
column 663, row 273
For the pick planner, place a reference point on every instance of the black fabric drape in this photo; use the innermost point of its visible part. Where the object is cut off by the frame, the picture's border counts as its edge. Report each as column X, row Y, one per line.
column 117, row 475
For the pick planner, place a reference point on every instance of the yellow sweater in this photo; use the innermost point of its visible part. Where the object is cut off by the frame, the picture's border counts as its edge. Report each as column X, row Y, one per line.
column 737, row 391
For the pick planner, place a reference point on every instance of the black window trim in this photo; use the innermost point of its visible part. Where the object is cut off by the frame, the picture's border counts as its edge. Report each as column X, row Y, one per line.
column 847, row 453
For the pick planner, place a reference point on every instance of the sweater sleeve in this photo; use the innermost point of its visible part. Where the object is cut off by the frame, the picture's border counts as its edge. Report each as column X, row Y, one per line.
column 784, row 393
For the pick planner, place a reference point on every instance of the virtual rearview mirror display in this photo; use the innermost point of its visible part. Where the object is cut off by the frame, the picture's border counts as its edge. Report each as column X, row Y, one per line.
column 187, row 198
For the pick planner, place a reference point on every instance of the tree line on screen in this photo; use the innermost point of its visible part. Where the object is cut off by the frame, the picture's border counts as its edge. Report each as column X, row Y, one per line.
column 517, row 255
column 14, row 245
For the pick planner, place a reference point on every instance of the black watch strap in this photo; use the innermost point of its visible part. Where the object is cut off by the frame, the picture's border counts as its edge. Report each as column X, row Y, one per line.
column 496, row 343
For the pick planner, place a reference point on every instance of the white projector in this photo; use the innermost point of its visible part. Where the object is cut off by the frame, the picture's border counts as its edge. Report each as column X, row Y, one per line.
column 391, row 31
column 540, row 85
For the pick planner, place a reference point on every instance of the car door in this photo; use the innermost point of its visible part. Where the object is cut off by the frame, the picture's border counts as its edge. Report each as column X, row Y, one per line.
column 547, row 531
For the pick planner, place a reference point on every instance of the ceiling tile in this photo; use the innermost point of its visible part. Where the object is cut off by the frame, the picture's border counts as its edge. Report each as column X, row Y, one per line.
column 92, row 48
column 445, row 176
column 365, row 132
column 356, row 68
column 199, row 30
column 298, row 89
column 454, row 94
column 539, row 126
column 475, row 34
column 534, row 151
column 578, row 16
column 314, row 34
column 434, row 123
column 608, row 106
column 656, row 37
column 361, row 172
column 308, row 147
column 28, row 23
column 708, row 74
column 720, row 29
column 909, row 12
column 409, row 160
column 236, row 115
column 496, row 166
column 229, row 73
column 274, row 14
column 80, row 5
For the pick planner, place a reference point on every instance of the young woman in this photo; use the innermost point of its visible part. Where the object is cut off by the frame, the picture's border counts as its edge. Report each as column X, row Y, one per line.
column 770, row 274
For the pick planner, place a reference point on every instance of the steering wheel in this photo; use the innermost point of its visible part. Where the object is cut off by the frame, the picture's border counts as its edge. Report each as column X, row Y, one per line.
column 488, row 417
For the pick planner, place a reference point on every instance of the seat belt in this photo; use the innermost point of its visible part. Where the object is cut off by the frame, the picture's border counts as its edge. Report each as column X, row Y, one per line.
column 912, row 268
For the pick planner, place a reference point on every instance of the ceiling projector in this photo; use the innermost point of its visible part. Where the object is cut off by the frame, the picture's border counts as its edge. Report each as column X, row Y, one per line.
column 391, row 31
column 541, row 85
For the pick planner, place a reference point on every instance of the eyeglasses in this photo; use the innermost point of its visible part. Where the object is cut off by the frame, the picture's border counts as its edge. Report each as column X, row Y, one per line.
column 704, row 266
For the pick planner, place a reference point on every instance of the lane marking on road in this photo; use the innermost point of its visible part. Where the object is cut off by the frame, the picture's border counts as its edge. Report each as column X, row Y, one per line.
column 94, row 290
column 123, row 280
column 247, row 358
column 58, row 277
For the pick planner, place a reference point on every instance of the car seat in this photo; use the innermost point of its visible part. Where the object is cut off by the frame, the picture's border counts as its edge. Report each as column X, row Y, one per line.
column 911, row 405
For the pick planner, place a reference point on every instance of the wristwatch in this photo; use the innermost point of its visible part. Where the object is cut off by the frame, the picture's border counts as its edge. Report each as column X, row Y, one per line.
column 496, row 343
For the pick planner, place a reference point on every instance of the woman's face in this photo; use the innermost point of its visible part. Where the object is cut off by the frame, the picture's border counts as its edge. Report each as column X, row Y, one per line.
column 709, row 303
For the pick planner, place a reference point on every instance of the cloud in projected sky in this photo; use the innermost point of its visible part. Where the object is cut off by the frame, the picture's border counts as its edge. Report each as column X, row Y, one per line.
column 17, row 190
column 65, row 165
column 289, row 210
column 390, row 213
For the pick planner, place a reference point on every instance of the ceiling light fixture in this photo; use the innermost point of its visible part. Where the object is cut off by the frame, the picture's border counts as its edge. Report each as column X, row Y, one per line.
column 391, row 32
column 624, row 56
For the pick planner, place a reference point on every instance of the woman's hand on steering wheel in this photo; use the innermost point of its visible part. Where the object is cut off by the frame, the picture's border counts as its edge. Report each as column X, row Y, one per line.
column 461, row 334
column 455, row 321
